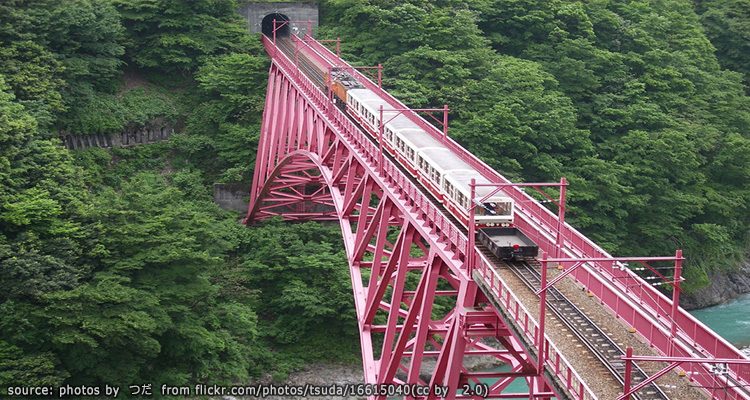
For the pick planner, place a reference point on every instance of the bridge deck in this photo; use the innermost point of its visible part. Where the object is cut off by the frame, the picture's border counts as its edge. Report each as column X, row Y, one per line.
column 590, row 368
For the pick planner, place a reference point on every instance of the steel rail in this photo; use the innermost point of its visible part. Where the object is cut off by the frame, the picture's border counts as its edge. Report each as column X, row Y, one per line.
column 588, row 332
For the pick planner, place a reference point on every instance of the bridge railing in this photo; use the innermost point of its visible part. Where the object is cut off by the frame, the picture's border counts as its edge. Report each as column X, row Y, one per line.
column 626, row 294
column 391, row 172
column 555, row 362
column 639, row 304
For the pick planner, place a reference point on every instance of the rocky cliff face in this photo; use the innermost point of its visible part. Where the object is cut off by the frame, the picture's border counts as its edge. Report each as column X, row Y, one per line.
column 725, row 285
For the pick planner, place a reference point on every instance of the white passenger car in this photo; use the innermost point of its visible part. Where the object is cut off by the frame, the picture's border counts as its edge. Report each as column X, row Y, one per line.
column 496, row 210
column 439, row 169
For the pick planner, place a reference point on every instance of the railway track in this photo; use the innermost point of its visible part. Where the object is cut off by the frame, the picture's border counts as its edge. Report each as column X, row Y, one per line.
column 598, row 342
column 604, row 348
column 316, row 75
column 303, row 63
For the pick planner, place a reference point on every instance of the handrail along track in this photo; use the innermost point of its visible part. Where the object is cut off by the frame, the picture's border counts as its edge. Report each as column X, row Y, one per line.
column 315, row 75
column 604, row 348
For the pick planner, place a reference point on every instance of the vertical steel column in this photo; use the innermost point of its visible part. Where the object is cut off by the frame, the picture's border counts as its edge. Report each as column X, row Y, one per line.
column 628, row 372
column 472, row 229
column 675, row 299
column 445, row 121
column 542, row 315
column 380, row 140
column 561, row 216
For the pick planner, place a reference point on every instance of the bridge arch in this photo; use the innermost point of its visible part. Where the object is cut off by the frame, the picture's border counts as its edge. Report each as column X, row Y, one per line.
column 314, row 164
column 291, row 174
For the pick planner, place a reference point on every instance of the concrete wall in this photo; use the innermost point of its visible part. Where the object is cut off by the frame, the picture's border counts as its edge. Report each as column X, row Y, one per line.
column 298, row 12
column 127, row 138
column 232, row 196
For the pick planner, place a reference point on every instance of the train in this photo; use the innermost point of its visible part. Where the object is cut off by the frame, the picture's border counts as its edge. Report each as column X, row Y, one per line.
column 435, row 166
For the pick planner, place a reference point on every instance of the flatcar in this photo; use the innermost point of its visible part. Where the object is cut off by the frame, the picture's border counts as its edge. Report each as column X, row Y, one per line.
column 441, row 171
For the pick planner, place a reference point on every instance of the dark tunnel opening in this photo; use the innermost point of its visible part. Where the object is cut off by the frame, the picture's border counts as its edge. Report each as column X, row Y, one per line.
column 267, row 25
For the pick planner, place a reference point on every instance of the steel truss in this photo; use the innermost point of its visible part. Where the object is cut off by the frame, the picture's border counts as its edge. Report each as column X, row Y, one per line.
column 424, row 317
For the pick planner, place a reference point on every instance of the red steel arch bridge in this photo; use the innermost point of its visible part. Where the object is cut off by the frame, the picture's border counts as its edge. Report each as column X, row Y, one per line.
column 438, row 315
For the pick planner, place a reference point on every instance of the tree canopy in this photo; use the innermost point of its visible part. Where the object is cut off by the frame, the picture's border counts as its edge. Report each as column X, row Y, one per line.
column 640, row 104
column 116, row 267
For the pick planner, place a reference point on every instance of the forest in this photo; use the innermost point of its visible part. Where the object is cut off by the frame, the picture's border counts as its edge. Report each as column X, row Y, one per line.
column 116, row 266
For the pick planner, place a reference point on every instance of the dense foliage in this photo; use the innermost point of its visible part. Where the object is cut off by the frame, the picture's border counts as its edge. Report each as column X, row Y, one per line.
column 628, row 100
column 117, row 268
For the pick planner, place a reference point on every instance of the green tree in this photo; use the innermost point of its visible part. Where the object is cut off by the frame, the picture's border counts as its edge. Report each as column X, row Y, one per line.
column 727, row 24
column 177, row 35
column 305, row 291
column 54, row 51
column 44, row 244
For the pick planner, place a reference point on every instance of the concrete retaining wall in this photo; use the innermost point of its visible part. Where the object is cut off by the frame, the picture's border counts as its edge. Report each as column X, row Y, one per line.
column 232, row 196
column 130, row 137
column 298, row 13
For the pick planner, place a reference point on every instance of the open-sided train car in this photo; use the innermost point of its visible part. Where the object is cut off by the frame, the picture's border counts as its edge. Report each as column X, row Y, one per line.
column 508, row 243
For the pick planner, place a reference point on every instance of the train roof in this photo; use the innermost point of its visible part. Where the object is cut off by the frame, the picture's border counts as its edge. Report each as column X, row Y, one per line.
column 462, row 180
column 399, row 123
column 368, row 98
column 443, row 159
column 419, row 139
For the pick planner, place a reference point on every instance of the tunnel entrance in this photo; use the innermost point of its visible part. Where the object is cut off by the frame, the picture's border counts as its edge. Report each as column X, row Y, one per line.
column 267, row 25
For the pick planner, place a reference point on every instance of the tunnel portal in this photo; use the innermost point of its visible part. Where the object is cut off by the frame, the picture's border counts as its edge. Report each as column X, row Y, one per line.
column 267, row 25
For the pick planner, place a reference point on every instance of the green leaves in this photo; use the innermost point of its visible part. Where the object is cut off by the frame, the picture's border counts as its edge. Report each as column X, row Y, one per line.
column 30, row 206
column 625, row 99
column 238, row 79
column 97, row 112
column 303, row 279
column 59, row 48
column 176, row 36
column 727, row 24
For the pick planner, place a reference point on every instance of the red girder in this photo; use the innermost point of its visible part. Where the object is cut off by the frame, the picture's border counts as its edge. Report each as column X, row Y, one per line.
column 315, row 164
column 302, row 145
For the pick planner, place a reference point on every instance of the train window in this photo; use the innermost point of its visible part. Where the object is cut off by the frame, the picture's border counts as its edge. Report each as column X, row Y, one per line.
column 501, row 208
column 505, row 208
column 449, row 189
